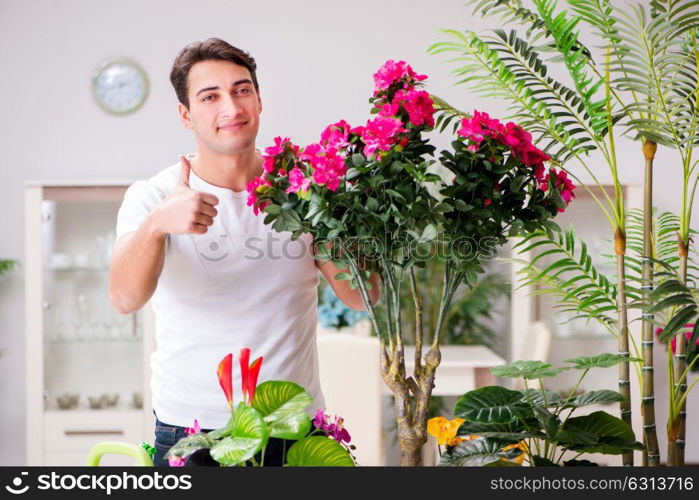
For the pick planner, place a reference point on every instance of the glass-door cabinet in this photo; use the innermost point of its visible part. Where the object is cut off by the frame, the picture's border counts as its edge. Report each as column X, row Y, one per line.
column 87, row 365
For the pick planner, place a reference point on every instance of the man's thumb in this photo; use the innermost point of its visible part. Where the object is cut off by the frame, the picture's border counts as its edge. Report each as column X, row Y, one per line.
column 184, row 172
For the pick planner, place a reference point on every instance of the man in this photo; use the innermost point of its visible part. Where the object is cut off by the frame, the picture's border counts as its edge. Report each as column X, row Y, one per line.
column 218, row 278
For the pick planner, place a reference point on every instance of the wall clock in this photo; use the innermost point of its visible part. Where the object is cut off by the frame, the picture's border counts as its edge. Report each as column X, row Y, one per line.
column 120, row 86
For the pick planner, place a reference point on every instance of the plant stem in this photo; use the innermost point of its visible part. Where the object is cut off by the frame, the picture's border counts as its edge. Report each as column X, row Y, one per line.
column 623, row 335
column 651, row 455
column 677, row 425
column 417, row 299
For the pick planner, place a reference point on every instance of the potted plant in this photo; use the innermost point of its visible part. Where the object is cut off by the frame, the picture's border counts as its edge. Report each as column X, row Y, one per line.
column 275, row 408
column 495, row 426
column 367, row 197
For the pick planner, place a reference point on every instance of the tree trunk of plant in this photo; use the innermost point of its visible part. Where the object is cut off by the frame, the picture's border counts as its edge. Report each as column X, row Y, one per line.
column 651, row 456
column 677, row 429
column 623, row 335
column 412, row 400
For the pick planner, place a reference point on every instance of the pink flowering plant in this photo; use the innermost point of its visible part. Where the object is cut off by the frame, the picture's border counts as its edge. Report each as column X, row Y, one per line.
column 374, row 199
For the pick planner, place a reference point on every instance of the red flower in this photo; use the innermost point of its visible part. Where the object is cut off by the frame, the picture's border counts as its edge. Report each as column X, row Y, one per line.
column 225, row 378
column 249, row 374
column 487, row 202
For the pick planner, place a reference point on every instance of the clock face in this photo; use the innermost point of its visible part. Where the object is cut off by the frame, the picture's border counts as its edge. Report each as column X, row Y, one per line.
column 120, row 87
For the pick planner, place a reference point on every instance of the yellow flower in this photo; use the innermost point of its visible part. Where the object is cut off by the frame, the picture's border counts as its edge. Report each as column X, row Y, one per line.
column 522, row 446
column 456, row 440
column 443, row 429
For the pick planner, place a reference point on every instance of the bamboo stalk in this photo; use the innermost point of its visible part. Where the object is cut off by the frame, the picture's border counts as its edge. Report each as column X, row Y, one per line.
column 677, row 427
column 651, row 455
column 623, row 335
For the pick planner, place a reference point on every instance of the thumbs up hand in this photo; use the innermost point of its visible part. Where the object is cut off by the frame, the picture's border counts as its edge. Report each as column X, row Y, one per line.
column 184, row 210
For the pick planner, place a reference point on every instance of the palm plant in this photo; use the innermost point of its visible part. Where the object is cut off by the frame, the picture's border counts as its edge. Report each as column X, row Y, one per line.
column 582, row 290
column 580, row 119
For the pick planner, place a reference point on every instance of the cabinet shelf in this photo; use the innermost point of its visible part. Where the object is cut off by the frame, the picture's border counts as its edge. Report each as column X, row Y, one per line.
column 76, row 343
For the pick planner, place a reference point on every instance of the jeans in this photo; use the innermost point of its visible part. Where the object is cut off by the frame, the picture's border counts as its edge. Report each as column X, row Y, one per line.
column 166, row 435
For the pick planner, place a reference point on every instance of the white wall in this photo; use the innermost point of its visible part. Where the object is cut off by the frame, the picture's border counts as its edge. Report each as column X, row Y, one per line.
column 315, row 62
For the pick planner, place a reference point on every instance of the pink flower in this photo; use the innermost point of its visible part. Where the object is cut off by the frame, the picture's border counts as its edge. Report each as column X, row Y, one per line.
column 516, row 137
column 539, row 172
column 394, row 71
column 531, row 155
column 269, row 163
column 389, row 109
column 359, row 130
column 320, row 421
column 298, row 181
column 175, row 461
column 381, row 133
column 418, row 104
column 334, row 428
column 255, row 186
column 328, row 165
column 279, row 145
column 336, row 135
column 560, row 182
column 480, row 126
column 194, row 429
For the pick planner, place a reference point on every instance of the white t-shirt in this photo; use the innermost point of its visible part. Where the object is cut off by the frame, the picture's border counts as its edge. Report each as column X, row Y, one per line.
column 241, row 284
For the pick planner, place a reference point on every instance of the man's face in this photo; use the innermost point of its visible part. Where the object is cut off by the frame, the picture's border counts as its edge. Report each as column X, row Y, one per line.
column 224, row 108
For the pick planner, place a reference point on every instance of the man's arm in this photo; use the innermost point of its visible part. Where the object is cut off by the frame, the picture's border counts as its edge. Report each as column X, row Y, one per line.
column 351, row 297
column 138, row 257
column 137, row 261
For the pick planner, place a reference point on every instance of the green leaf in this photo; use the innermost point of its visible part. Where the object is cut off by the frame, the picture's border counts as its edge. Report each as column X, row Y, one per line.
column 248, row 436
column 548, row 421
column 535, row 397
column 600, row 361
column 282, row 405
column 526, row 369
column 579, row 463
column 602, row 396
column 477, row 453
column 540, row 461
column 272, row 209
column 189, row 444
column 613, row 436
column 358, row 160
column 429, row 233
column 491, row 405
column 318, row 451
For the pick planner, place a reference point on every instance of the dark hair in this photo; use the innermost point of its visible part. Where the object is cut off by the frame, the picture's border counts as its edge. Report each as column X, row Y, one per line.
column 210, row 49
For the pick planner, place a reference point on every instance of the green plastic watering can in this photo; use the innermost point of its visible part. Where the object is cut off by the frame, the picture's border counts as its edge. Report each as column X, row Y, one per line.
column 137, row 452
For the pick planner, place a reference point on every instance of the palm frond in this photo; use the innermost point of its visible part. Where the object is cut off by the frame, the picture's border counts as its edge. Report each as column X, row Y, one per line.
column 572, row 277
column 512, row 11
column 446, row 114
column 652, row 64
column 683, row 15
column 598, row 14
column 490, row 76
column 565, row 37
column 524, row 62
column 681, row 299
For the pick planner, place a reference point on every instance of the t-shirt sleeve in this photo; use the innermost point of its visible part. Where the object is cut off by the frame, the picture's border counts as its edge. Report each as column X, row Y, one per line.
column 140, row 198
